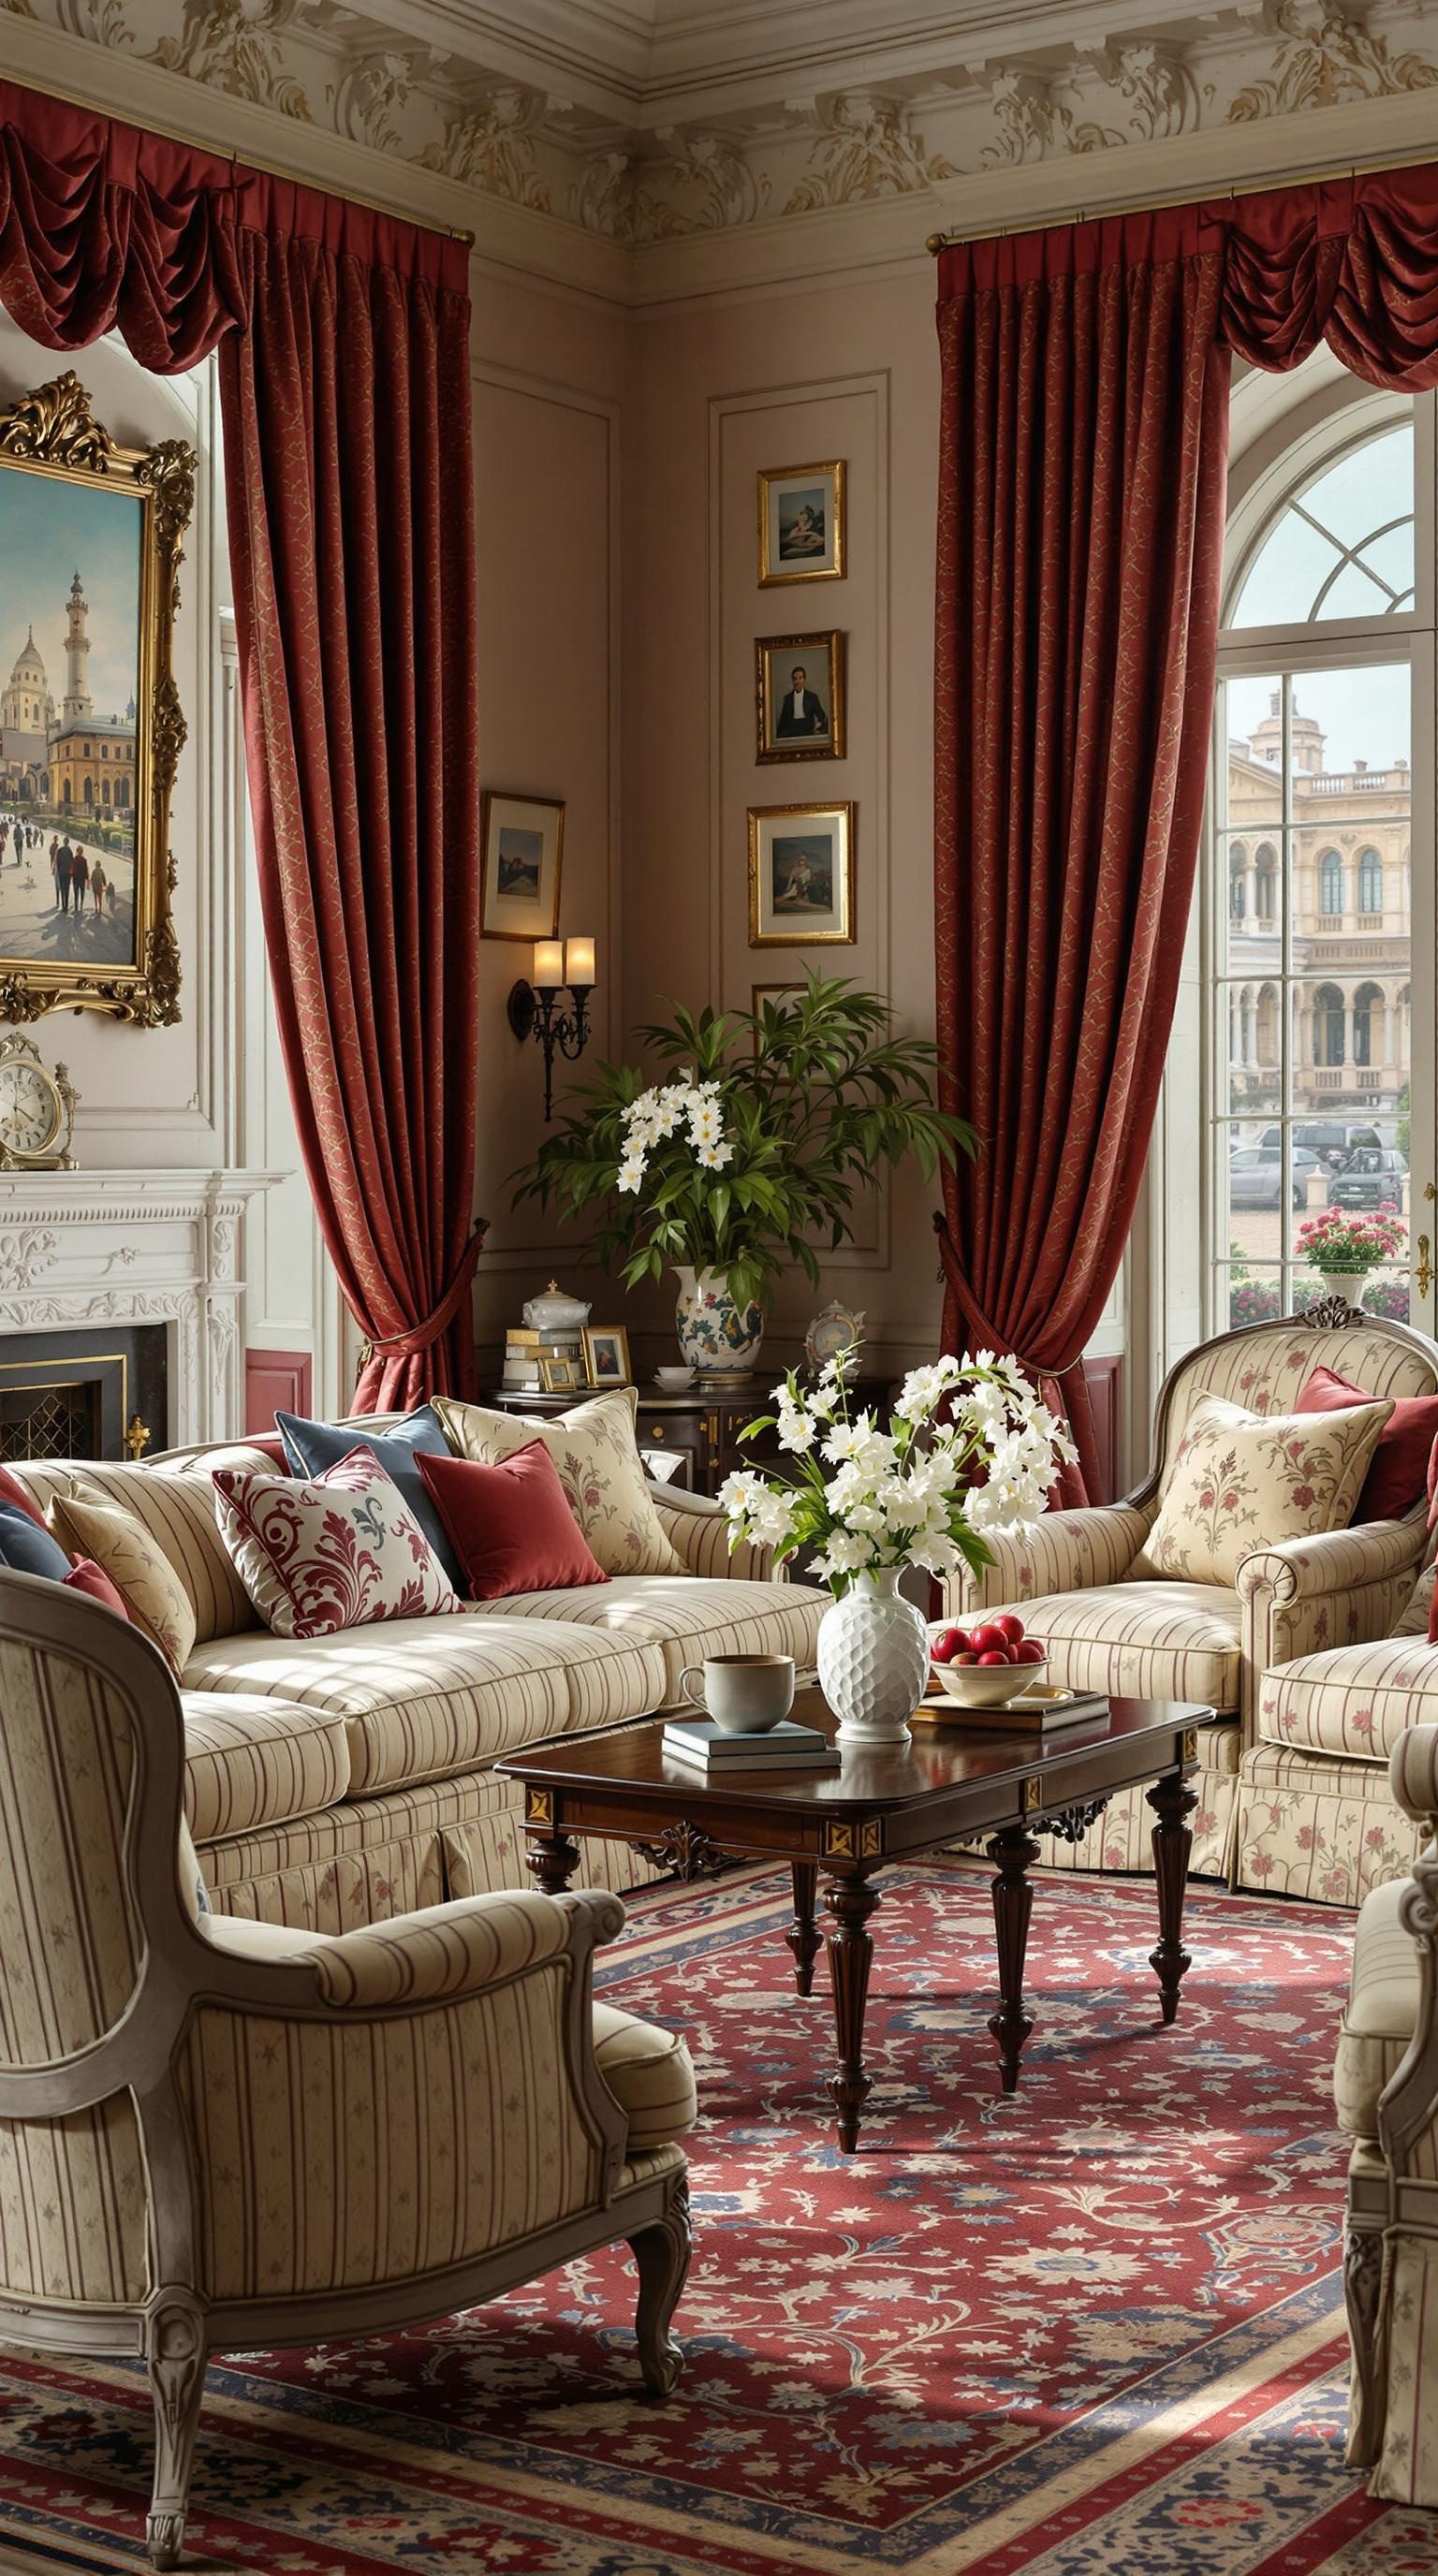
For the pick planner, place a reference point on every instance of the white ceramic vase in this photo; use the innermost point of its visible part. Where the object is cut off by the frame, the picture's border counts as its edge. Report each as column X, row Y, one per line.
column 873, row 1660
column 716, row 1335
column 1347, row 1284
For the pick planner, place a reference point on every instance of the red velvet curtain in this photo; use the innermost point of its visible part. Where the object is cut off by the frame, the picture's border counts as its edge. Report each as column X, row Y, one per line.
column 1081, row 518
column 344, row 369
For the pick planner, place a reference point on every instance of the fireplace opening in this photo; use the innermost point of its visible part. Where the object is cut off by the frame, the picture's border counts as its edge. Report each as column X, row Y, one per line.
column 100, row 1393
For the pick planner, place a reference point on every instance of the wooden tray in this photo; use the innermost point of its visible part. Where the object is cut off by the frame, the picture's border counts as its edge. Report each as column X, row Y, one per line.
column 1045, row 1705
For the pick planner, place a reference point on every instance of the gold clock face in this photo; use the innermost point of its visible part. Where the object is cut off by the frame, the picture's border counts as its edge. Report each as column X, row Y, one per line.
column 31, row 1113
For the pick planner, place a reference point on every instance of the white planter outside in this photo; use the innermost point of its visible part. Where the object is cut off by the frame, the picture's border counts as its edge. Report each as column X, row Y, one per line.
column 873, row 1657
column 1347, row 1284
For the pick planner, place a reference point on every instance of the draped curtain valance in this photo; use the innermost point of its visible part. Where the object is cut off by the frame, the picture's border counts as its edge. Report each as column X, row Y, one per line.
column 343, row 351
column 1085, row 382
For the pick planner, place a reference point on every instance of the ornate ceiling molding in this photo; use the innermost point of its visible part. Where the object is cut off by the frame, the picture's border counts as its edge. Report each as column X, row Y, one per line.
column 999, row 110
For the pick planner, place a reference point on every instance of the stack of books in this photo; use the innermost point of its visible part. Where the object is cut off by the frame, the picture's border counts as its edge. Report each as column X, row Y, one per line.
column 785, row 1747
column 524, row 1350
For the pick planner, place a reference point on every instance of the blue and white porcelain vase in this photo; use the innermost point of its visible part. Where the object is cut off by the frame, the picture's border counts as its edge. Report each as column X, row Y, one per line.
column 873, row 1658
column 716, row 1335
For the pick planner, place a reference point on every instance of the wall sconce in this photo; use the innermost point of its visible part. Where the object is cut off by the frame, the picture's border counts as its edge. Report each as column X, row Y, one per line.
column 532, row 1005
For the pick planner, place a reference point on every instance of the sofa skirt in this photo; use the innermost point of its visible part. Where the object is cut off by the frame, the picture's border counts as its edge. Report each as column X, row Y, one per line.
column 373, row 1858
column 1315, row 1825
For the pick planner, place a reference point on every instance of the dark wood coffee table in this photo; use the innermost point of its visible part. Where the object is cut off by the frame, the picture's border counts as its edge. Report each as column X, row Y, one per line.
column 950, row 1784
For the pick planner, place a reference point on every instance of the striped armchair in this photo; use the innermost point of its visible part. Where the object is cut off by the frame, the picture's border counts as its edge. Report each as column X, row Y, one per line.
column 217, row 2133
column 1212, row 1644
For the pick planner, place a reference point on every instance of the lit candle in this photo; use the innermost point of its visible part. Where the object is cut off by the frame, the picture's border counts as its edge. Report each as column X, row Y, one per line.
column 579, row 961
column 548, row 963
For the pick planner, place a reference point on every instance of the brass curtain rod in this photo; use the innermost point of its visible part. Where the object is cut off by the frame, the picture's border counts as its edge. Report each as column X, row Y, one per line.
column 1159, row 205
column 239, row 160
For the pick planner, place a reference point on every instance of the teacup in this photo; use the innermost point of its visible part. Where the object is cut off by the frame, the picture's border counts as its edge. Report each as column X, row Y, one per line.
column 744, row 1694
column 675, row 1377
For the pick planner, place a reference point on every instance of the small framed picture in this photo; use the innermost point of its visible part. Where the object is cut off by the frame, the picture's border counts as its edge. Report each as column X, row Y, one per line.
column 778, row 994
column 523, row 846
column 560, row 1377
column 801, row 524
column 606, row 1354
column 799, row 692
column 801, row 876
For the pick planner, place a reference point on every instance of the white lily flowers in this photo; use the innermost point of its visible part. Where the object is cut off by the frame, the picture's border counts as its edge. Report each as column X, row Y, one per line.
column 922, row 1493
column 659, row 1113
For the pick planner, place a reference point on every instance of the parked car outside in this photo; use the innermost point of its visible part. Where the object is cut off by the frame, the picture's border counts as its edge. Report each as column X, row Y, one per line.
column 1373, row 1177
column 1332, row 1140
column 1255, row 1176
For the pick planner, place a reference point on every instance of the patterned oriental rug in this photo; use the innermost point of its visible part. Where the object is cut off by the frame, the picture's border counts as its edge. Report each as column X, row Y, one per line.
column 1093, row 2330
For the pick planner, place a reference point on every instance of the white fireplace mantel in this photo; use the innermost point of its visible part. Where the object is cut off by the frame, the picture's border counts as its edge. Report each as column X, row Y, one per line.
column 144, row 1247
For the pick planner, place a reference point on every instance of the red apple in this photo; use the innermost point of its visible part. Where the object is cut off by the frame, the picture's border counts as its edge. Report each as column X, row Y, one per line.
column 948, row 1643
column 1029, row 1651
column 993, row 1659
column 988, row 1640
column 1012, row 1626
column 967, row 1658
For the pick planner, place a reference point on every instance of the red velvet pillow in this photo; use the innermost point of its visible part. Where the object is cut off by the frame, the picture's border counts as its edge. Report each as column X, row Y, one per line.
column 12, row 1491
column 91, row 1579
column 1398, row 1475
column 512, row 1527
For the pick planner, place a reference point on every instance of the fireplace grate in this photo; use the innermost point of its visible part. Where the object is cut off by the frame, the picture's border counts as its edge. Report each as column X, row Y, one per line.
column 50, row 1422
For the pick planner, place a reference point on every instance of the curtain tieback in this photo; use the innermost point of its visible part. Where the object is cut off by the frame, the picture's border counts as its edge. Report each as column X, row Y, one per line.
column 418, row 1337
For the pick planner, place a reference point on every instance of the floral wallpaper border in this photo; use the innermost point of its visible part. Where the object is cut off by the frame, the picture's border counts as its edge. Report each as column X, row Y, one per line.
column 326, row 65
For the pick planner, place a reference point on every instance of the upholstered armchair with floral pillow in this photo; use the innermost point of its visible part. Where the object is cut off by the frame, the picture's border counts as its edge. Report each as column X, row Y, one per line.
column 217, row 2133
column 1292, row 1570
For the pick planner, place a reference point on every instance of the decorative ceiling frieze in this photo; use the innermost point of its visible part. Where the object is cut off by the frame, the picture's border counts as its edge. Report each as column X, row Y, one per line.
column 992, row 90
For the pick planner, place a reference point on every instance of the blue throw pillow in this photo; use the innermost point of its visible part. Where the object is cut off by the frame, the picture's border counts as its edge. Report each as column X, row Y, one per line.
column 26, row 1548
column 311, row 1447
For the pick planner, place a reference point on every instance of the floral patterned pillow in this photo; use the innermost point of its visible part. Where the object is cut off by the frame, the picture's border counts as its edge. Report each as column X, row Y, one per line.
column 88, row 1524
column 594, row 1448
column 1241, row 1481
column 333, row 1553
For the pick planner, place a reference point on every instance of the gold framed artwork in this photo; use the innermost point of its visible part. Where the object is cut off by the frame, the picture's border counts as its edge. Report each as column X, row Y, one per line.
column 799, row 695
column 523, row 841
column 91, row 540
column 606, row 1355
column 801, row 876
column 801, row 523
column 560, row 1377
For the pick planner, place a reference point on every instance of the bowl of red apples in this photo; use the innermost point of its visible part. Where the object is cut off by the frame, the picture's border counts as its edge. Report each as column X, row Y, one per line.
column 988, row 1665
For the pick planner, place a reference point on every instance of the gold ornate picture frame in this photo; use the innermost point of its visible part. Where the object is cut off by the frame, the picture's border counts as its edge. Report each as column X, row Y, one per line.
column 91, row 728
column 801, row 523
column 799, row 696
column 801, row 876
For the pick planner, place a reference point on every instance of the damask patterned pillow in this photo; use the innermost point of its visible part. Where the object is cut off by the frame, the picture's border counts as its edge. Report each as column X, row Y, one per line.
column 594, row 1448
column 1241, row 1481
column 88, row 1525
column 336, row 1552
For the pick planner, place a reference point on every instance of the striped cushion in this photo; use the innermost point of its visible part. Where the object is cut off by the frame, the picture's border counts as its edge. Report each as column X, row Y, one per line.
column 252, row 1762
column 423, row 1697
column 1352, row 1700
column 1381, row 2012
column 683, row 1616
column 650, row 2075
column 1140, row 1640
column 176, row 1505
column 1312, row 1825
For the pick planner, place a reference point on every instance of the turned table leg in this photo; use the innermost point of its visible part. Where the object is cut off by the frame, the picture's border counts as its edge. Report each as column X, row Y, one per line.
column 803, row 1936
column 551, row 1860
column 849, row 1902
column 1012, row 1853
column 1172, row 1803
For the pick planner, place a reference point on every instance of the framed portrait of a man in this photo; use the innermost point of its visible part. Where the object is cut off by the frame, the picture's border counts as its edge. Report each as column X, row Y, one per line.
column 801, row 523
column 799, row 689
column 801, row 876
column 91, row 537
column 523, row 839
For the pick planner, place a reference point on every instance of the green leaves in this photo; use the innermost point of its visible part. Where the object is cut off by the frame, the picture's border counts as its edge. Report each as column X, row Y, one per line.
column 816, row 1095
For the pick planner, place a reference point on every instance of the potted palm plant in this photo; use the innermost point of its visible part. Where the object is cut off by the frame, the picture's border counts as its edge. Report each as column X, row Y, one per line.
column 745, row 1157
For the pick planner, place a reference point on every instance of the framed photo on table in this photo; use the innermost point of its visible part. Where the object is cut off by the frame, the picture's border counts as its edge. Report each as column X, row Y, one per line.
column 801, row 876
column 523, row 840
column 606, row 1355
column 91, row 538
column 801, row 524
column 799, row 695
column 560, row 1377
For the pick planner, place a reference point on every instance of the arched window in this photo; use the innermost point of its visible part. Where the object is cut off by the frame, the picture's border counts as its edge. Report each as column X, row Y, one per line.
column 1330, row 882
column 1265, row 877
column 1367, row 997
column 1237, row 882
column 1266, row 1032
column 1341, row 545
column 1370, row 881
column 1328, row 1025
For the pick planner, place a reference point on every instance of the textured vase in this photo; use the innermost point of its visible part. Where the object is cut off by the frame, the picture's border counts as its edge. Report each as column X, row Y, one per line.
column 873, row 1660
column 715, row 1334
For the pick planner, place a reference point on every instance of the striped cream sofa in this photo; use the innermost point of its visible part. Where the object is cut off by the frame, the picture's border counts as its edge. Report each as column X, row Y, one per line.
column 1107, row 1630
column 339, row 1780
